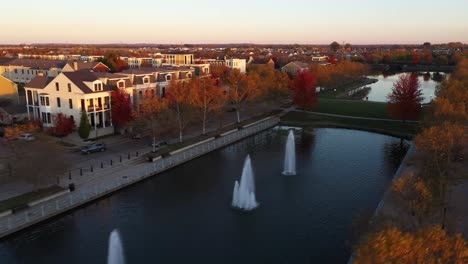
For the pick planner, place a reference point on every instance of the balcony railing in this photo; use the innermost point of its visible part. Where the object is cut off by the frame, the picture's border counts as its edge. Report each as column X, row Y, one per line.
column 98, row 107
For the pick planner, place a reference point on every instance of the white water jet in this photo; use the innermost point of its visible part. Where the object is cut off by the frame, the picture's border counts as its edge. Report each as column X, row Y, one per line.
column 290, row 155
column 243, row 196
column 115, row 255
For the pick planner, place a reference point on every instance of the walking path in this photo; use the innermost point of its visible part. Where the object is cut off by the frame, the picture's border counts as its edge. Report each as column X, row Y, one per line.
column 354, row 117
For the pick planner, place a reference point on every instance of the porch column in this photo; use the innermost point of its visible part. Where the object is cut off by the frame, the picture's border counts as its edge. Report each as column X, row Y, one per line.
column 27, row 103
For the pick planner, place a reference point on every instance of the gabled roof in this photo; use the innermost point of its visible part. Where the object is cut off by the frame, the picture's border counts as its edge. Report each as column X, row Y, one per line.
column 83, row 65
column 39, row 82
column 79, row 77
column 298, row 64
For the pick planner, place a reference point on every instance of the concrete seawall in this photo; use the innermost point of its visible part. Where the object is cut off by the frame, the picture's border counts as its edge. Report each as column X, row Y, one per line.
column 126, row 176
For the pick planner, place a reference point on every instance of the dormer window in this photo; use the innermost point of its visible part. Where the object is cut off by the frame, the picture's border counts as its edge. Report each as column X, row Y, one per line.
column 189, row 75
column 98, row 87
column 121, row 84
column 146, row 79
column 168, row 77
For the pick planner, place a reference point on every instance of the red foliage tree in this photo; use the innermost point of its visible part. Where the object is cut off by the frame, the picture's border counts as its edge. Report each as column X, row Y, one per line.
column 63, row 125
column 332, row 60
column 121, row 107
column 415, row 58
column 405, row 98
column 303, row 90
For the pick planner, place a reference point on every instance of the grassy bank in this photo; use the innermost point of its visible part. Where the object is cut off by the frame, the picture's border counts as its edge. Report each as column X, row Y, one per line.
column 22, row 200
column 352, row 108
column 385, row 127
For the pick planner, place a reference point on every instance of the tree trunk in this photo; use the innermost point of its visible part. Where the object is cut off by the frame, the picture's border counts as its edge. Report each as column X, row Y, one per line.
column 238, row 115
column 154, row 143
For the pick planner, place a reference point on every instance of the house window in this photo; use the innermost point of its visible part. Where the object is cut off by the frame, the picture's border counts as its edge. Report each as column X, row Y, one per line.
column 57, row 86
column 22, row 71
column 47, row 101
column 16, row 71
column 146, row 80
column 121, row 84
column 49, row 120
column 58, row 102
column 70, row 102
column 69, row 87
column 168, row 77
column 82, row 105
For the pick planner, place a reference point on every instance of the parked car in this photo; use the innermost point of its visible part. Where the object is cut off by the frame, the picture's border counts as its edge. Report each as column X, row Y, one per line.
column 26, row 137
column 159, row 144
column 136, row 136
column 94, row 147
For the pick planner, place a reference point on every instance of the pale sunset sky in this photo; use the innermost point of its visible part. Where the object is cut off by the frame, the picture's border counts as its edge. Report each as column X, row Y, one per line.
column 241, row 21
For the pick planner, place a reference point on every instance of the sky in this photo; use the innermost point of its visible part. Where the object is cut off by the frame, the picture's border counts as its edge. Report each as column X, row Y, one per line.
column 241, row 21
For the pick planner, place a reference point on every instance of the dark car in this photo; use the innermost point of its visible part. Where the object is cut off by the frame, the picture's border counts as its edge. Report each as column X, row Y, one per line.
column 94, row 147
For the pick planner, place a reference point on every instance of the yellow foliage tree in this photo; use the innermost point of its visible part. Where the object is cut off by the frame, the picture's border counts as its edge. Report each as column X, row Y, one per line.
column 428, row 245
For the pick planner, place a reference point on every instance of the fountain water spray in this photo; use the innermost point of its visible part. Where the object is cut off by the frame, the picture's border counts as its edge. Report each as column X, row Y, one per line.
column 243, row 196
column 290, row 155
column 115, row 255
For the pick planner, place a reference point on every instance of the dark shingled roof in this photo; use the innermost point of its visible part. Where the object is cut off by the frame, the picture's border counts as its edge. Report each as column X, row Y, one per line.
column 39, row 82
column 36, row 63
column 79, row 77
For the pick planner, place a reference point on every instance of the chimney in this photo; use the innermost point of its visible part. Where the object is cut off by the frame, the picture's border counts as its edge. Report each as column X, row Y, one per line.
column 75, row 65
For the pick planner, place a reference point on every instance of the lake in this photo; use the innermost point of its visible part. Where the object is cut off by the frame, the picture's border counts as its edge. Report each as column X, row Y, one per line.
column 184, row 215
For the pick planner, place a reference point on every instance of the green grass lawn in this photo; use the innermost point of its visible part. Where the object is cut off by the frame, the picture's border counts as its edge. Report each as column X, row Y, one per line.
column 352, row 108
column 26, row 198
column 385, row 127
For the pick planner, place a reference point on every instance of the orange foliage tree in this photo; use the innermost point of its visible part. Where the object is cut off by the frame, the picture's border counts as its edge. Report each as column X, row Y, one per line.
column 428, row 245
column 242, row 89
column 207, row 98
column 150, row 113
column 179, row 97
column 415, row 195
column 406, row 97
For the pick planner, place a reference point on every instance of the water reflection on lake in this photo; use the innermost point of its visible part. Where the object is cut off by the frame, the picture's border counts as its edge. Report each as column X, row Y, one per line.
column 383, row 87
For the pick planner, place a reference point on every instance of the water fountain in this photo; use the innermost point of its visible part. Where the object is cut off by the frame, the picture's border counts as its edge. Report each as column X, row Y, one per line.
column 290, row 156
column 243, row 196
column 115, row 255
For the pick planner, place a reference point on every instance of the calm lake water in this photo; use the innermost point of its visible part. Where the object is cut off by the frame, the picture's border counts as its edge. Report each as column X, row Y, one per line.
column 184, row 215
column 383, row 87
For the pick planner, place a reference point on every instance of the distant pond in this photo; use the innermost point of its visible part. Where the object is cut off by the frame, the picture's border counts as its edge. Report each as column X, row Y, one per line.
column 383, row 87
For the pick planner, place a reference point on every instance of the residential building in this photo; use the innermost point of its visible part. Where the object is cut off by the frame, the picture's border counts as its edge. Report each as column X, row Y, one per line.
column 295, row 67
column 261, row 61
column 134, row 62
column 178, row 58
column 71, row 93
column 24, row 70
column 8, row 91
column 231, row 63
column 319, row 58
column 84, row 65
column 62, row 57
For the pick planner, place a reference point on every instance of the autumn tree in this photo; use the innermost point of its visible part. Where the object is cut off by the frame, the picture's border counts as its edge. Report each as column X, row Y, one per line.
column 405, row 98
column 85, row 127
column 440, row 142
column 219, row 73
column 415, row 195
column 273, row 84
column 150, row 114
column 63, row 125
column 428, row 245
column 303, row 90
column 242, row 89
column 335, row 46
column 207, row 98
column 121, row 107
column 179, row 97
